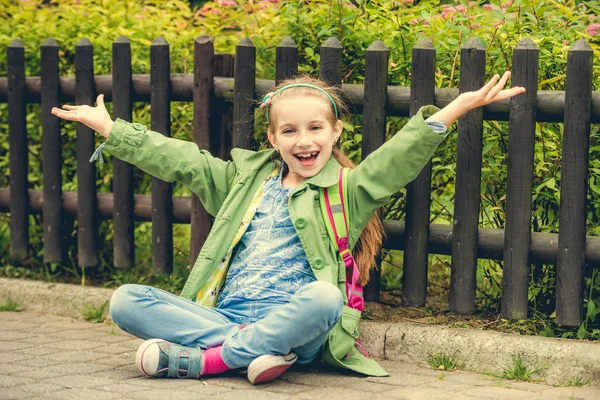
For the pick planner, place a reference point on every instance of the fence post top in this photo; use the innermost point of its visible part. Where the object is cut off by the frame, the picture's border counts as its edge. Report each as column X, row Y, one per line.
column 15, row 43
column 474, row 43
column 83, row 42
column 377, row 45
column 160, row 41
column 424, row 43
column 122, row 39
column 202, row 39
column 245, row 42
column 581, row 45
column 332, row 42
column 50, row 42
column 526, row 44
column 287, row 42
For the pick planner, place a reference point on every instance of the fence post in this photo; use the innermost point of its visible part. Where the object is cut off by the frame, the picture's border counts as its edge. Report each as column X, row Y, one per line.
column 521, row 147
column 418, row 192
column 375, row 103
column 286, row 60
column 244, row 93
column 124, row 246
column 468, row 183
column 162, row 192
column 223, row 110
column 331, row 62
column 51, row 150
column 17, row 128
column 573, row 185
column 203, row 98
column 87, row 208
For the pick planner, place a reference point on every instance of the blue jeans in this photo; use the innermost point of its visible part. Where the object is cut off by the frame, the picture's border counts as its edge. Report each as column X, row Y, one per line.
column 300, row 326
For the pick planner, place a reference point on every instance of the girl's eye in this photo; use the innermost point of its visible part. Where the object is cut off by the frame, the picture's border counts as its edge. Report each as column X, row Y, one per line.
column 286, row 131
column 315, row 128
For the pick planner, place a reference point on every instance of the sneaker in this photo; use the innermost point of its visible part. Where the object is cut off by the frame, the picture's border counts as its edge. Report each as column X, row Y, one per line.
column 269, row 367
column 159, row 358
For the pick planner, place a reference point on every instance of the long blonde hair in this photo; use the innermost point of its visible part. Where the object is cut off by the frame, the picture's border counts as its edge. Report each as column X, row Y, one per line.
column 369, row 244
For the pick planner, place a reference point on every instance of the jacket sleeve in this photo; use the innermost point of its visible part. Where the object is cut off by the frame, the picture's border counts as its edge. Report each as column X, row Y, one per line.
column 391, row 167
column 173, row 160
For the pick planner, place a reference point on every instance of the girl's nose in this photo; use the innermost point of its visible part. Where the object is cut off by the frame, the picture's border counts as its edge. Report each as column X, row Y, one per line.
column 305, row 139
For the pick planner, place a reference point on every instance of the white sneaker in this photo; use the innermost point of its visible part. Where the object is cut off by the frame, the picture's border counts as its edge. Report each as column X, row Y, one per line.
column 269, row 367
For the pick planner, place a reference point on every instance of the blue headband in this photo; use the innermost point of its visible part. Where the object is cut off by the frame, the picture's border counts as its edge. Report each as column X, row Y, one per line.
column 269, row 96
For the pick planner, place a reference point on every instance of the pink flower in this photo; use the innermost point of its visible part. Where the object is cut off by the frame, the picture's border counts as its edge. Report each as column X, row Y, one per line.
column 592, row 29
column 426, row 23
column 348, row 4
column 565, row 42
column 497, row 23
column 490, row 7
column 446, row 12
column 475, row 26
column 140, row 16
column 504, row 5
column 408, row 1
column 413, row 21
column 581, row 5
column 214, row 11
column 227, row 3
column 461, row 8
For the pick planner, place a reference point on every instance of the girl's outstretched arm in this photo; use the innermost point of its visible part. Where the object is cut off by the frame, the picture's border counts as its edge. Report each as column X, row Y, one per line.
column 491, row 92
column 97, row 118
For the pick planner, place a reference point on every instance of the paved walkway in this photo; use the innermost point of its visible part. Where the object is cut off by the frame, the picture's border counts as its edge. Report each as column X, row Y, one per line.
column 51, row 357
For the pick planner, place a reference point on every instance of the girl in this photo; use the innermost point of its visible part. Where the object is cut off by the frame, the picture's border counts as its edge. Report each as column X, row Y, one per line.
column 268, row 289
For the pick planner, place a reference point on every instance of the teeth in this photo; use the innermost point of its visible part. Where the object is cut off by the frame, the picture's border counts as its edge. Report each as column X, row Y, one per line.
column 306, row 155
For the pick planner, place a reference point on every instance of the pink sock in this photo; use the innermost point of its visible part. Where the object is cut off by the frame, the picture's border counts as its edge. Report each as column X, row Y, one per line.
column 213, row 362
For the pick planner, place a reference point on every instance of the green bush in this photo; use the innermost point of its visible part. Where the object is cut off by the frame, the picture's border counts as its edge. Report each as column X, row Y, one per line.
column 553, row 25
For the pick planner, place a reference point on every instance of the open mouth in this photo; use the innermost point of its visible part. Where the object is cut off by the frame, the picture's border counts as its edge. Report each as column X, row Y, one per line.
column 307, row 159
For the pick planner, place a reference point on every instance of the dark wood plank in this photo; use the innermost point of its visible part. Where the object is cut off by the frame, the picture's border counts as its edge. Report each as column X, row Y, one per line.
column 331, row 62
column 222, row 131
column 468, row 182
column 85, row 93
column 373, row 132
column 418, row 192
column 52, row 158
column 286, row 60
column 521, row 147
column 573, row 185
column 244, row 94
column 162, row 192
column 203, row 99
column 124, row 245
column 18, row 159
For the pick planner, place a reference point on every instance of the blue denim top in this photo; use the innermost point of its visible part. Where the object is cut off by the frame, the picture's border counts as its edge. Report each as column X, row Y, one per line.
column 269, row 262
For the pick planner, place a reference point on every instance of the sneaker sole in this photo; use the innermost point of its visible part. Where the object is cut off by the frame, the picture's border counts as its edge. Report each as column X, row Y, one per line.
column 269, row 369
column 139, row 356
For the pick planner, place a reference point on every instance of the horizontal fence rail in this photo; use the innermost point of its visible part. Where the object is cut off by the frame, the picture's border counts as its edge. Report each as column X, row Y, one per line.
column 550, row 104
column 224, row 90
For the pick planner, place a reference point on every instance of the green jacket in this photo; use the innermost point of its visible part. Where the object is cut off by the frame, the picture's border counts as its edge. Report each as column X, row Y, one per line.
column 227, row 189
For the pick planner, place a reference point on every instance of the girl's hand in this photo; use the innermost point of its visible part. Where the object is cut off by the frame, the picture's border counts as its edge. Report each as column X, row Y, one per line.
column 97, row 118
column 491, row 92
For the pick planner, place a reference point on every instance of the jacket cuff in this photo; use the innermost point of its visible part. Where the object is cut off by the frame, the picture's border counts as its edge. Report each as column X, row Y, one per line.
column 124, row 132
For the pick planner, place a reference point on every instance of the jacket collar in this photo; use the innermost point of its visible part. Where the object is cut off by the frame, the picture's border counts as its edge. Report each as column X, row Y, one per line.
column 248, row 160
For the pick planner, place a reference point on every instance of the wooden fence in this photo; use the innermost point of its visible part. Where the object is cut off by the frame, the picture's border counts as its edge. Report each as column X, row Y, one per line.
column 219, row 79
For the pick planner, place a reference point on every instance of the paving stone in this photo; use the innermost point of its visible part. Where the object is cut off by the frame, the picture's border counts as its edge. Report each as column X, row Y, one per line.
column 246, row 394
column 78, row 381
column 17, row 326
column 15, row 393
column 338, row 394
column 398, row 379
column 501, row 393
column 78, row 394
column 370, row 387
column 84, row 334
column 322, row 379
column 200, row 392
column 9, row 381
column 72, row 345
column 584, row 392
column 425, row 393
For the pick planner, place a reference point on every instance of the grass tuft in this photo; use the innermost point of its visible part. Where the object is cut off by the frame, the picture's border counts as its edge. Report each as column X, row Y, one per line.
column 9, row 305
column 518, row 370
column 443, row 361
column 93, row 313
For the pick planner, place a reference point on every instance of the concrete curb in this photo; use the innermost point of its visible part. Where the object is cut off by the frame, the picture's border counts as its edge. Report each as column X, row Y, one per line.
column 564, row 360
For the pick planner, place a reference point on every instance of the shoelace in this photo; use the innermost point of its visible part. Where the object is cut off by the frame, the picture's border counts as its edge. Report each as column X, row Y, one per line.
column 98, row 154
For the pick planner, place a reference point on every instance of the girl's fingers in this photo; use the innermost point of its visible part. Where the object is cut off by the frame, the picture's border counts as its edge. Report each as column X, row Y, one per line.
column 100, row 100
column 68, row 107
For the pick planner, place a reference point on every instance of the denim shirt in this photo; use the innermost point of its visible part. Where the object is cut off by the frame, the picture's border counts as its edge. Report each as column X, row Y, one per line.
column 269, row 262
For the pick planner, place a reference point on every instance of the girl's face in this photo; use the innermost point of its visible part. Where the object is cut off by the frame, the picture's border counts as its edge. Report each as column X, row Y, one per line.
column 304, row 135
